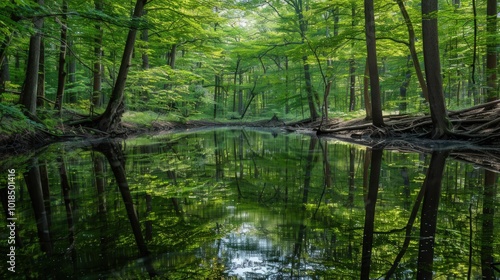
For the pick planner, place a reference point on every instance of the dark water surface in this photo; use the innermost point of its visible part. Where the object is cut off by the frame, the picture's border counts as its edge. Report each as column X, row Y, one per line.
column 245, row 204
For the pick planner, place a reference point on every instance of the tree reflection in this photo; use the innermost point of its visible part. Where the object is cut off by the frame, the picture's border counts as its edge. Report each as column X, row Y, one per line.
column 428, row 219
column 112, row 151
column 490, row 192
column 370, row 202
column 34, row 184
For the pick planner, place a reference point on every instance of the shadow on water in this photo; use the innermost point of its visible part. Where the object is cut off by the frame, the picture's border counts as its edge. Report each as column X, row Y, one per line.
column 244, row 204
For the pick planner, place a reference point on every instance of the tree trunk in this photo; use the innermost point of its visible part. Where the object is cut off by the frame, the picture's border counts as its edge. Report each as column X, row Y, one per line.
column 111, row 118
column 4, row 75
column 71, row 71
column 371, row 47
column 97, row 68
column 145, row 39
column 404, row 88
column 30, row 85
column 298, row 7
column 491, row 50
column 309, row 90
column 61, row 76
column 413, row 51
column 352, row 85
column 433, row 69
column 235, row 90
column 366, row 93
column 40, row 90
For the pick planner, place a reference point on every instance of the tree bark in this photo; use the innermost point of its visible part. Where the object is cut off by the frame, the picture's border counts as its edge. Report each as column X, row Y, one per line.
column 4, row 74
column 111, row 118
column 491, row 50
column 352, row 85
column 371, row 47
column 309, row 90
column 366, row 93
column 433, row 69
column 298, row 7
column 61, row 76
column 30, row 85
column 40, row 90
column 71, row 71
column 97, row 67
column 413, row 51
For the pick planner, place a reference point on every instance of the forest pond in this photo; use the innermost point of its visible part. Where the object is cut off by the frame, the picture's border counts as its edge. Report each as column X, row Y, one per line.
column 246, row 204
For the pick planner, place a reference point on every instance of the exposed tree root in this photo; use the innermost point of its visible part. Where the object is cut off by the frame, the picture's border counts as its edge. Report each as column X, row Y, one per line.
column 479, row 124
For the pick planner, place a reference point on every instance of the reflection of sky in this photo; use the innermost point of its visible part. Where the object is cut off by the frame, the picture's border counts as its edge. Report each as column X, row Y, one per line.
column 247, row 253
column 250, row 252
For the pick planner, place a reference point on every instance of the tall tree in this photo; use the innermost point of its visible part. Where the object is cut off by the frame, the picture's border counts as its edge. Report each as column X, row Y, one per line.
column 433, row 69
column 413, row 51
column 97, row 73
column 371, row 47
column 30, row 85
column 298, row 7
column 61, row 76
column 491, row 49
column 111, row 118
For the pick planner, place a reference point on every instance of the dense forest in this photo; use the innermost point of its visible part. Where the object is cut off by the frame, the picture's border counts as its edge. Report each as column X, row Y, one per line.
column 92, row 65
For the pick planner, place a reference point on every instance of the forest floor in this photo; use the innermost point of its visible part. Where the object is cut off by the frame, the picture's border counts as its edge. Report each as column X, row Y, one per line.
column 474, row 137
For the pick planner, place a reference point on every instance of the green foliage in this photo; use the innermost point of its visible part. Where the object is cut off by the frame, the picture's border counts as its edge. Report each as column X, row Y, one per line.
column 246, row 43
column 12, row 120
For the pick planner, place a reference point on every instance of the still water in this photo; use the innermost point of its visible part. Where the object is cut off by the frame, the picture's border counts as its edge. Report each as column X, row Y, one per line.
column 245, row 204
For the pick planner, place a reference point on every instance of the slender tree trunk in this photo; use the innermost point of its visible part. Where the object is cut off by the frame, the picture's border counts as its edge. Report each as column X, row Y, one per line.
column 30, row 85
column 413, row 51
column 371, row 47
column 287, row 86
column 71, row 71
column 309, row 90
column 4, row 75
column 145, row 39
column 172, row 56
column 366, row 93
column 491, row 50
column 404, row 88
column 61, row 76
column 40, row 90
column 111, row 118
column 299, row 9
column 352, row 84
column 216, row 94
column 433, row 69
column 97, row 68
column 234, row 82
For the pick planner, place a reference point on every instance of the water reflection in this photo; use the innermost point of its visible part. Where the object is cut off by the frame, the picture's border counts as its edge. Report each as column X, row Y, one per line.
column 243, row 204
